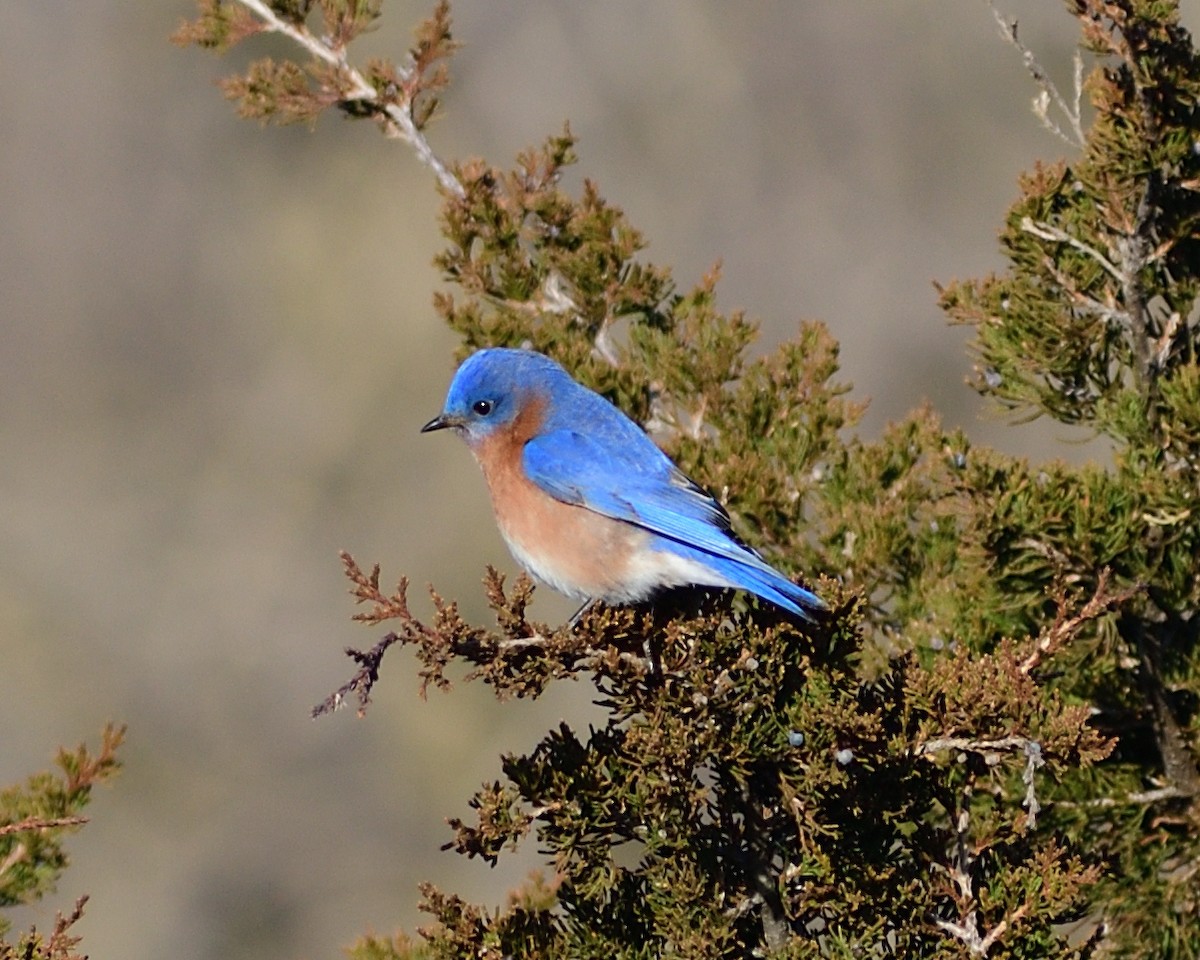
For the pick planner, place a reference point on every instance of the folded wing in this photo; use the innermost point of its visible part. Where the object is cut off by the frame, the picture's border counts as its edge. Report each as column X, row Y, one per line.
column 637, row 483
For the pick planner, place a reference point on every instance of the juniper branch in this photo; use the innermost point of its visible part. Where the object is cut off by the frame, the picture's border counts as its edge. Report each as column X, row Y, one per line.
column 494, row 654
column 1065, row 626
column 40, row 823
column 967, row 931
column 397, row 117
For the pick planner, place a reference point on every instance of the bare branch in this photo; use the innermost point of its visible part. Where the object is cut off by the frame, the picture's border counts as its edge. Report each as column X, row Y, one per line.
column 1046, row 231
column 959, row 871
column 40, row 823
column 990, row 750
column 1083, row 302
column 967, row 745
column 1033, row 760
column 62, row 942
column 1142, row 797
column 494, row 654
column 18, row 853
column 361, row 683
column 1050, row 93
column 1135, row 251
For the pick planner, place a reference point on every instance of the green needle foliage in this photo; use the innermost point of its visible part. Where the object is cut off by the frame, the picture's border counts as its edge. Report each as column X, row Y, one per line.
column 989, row 747
column 35, row 819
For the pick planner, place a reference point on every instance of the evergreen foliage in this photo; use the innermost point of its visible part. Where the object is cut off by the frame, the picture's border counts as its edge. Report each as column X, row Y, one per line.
column 34, row 821
column 989, row 748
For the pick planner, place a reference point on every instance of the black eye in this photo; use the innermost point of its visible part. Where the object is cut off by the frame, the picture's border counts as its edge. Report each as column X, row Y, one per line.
column 482, row 407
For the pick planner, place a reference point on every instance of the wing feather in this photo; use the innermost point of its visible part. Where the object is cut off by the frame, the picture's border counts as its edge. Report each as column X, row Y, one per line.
column 639, row 486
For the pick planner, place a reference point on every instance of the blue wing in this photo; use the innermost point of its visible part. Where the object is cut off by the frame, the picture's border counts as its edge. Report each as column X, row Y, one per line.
column 634, row 481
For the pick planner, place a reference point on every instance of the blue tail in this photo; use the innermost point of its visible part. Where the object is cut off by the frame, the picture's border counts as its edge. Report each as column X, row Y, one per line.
column 773, row 586
column 755, row 575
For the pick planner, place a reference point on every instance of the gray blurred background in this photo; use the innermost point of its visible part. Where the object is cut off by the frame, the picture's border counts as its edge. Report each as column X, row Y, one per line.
column 217, row 346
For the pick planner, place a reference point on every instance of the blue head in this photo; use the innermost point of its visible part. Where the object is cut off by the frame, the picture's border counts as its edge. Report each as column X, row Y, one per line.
column 493, row 387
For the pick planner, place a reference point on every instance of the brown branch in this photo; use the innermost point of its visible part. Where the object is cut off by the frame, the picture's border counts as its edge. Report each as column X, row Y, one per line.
column 1065, row 626
column 40, row 823
column 1178, row 759
column 62, row 942
column 758, row 863
column 518, row 659
column 361, row 683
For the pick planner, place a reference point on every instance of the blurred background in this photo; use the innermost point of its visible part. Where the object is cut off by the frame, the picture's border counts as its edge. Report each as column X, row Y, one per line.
column 217, row 346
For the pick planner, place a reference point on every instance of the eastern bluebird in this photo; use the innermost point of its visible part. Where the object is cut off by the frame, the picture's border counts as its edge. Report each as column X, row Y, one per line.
column 585, row 500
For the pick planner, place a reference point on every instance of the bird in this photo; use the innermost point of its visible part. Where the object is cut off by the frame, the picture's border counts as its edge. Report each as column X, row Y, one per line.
column 584, row 499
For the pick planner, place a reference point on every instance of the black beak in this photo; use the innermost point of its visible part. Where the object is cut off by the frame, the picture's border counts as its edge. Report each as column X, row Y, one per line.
column 439, row 422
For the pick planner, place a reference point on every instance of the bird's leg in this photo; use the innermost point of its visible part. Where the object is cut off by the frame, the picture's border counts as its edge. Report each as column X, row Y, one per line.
column 578, row 614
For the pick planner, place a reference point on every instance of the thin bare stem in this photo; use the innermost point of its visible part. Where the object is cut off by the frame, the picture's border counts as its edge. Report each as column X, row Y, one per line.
column 1046, row 231
column 1141, row 798
column 966, row 744
column 30, row 824
column 967, row 932
column 1049, row 90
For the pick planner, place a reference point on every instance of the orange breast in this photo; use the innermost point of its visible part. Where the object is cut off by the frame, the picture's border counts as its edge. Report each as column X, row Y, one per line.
column 575, row 550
